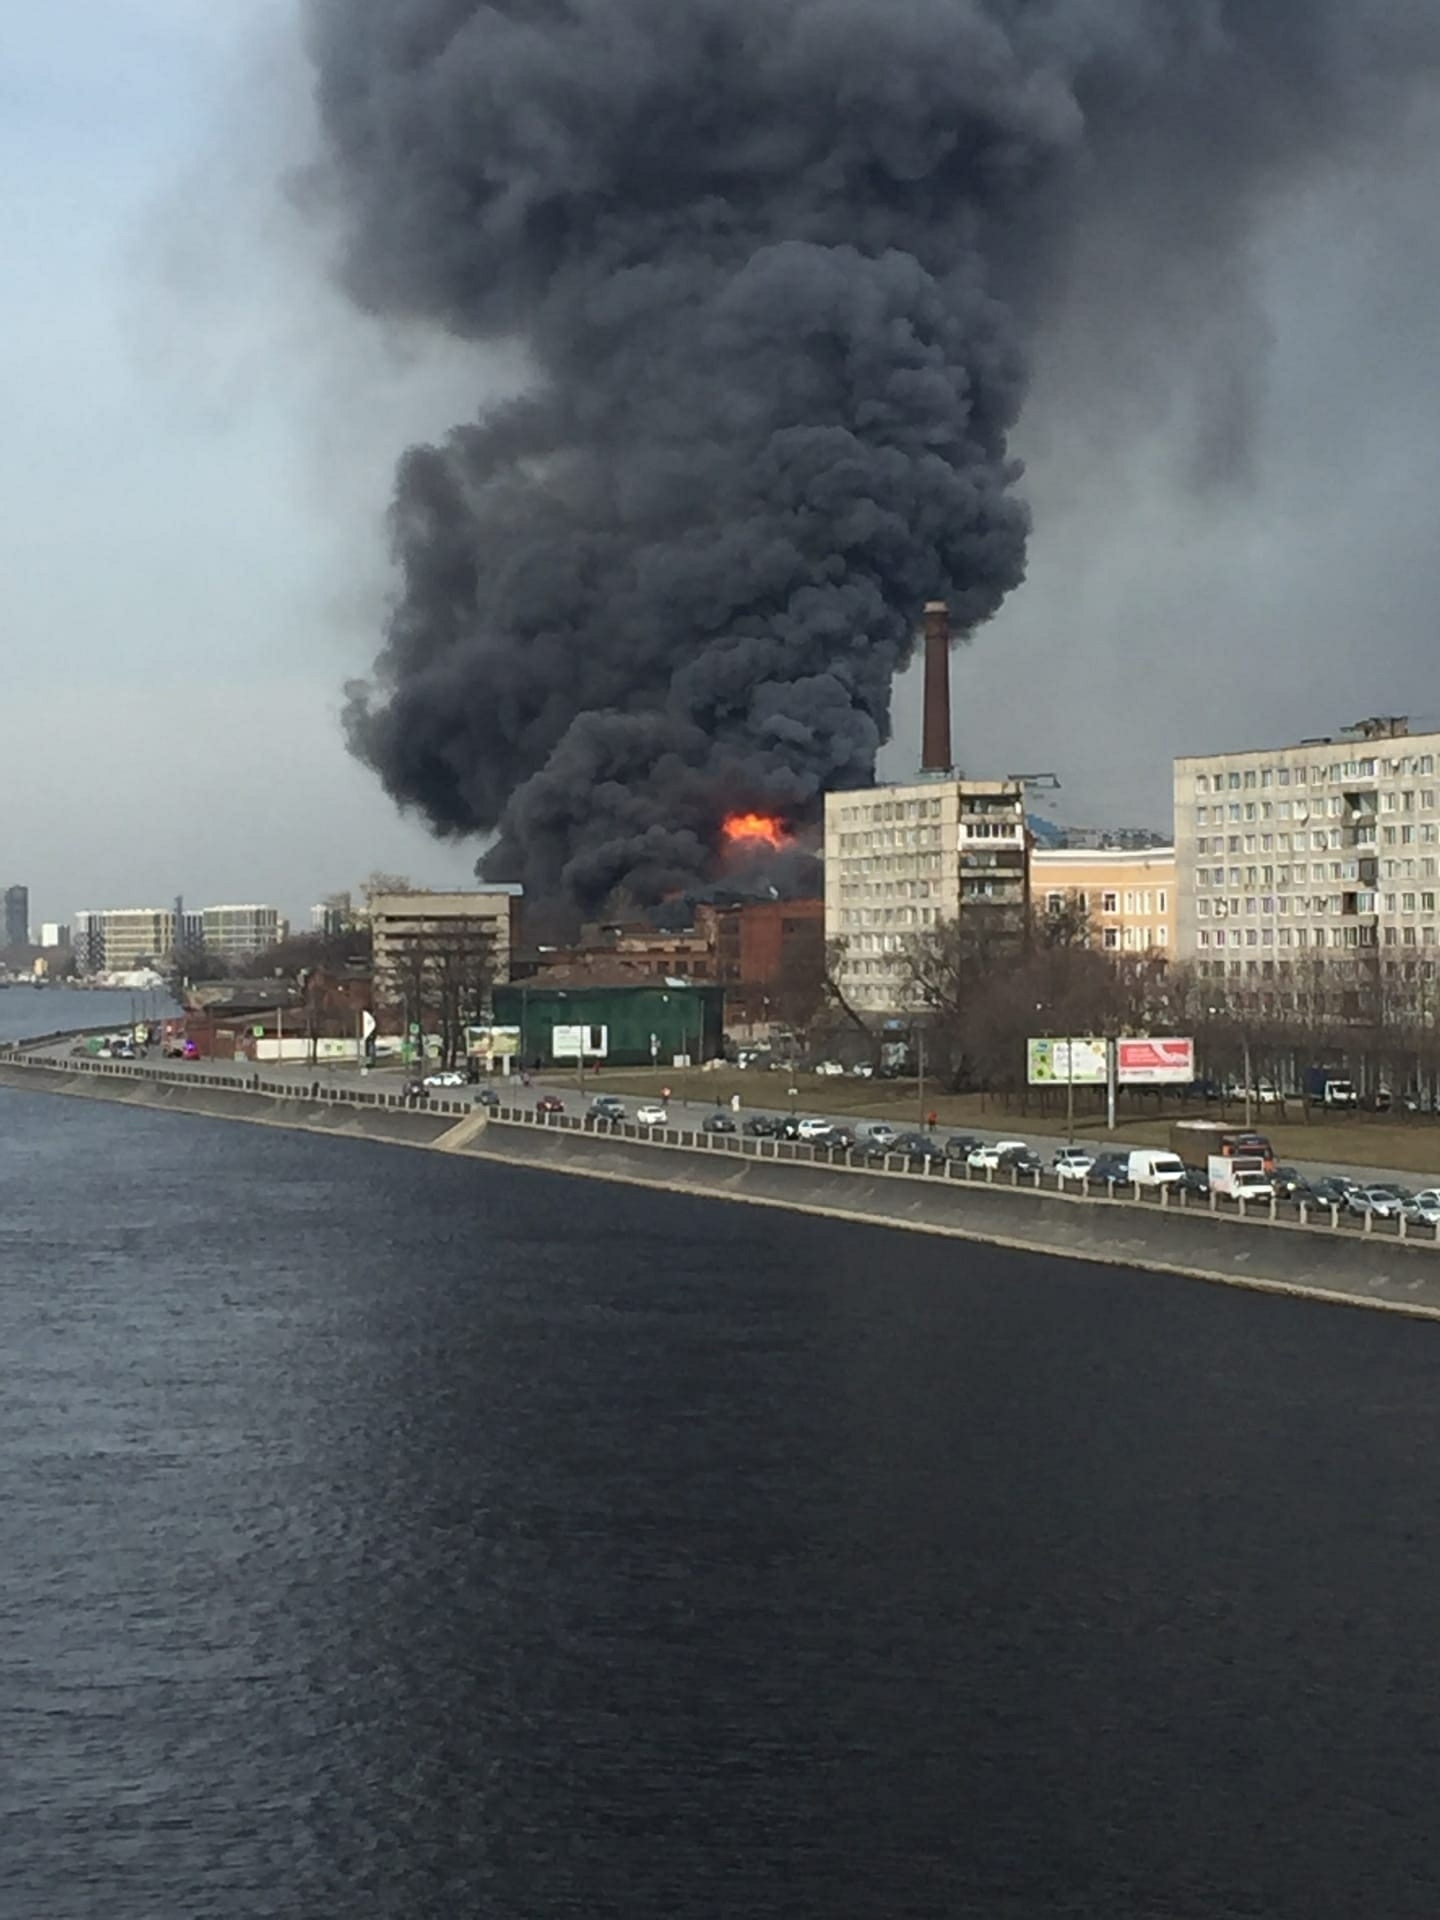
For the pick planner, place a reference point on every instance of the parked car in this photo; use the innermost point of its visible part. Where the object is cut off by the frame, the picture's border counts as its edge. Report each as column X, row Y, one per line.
column 487, row 1097
column 1109, row 1170
column 863, row 1070
column 1385, row 1203
column 813, row 1130
column 1072, row 1163
column 1023, row 1162
column 1425, row 1206
column 984, row 1159
column 1195, row 1183
column 717, row 1123
column 650, row 1113
column 961, row 1145
column 608, row 1107
column 878, row 1133
column 761, row 1127
column 549, row 1103
column 450, row 1077
column 839, row 1139
column 920, row 1149
column 830, row 1069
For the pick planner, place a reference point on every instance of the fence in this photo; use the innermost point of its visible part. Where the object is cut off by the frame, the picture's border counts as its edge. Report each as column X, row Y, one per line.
column 951, row 1173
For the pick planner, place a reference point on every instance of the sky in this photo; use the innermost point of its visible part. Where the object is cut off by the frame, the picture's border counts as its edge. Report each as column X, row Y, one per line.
column 200, row 436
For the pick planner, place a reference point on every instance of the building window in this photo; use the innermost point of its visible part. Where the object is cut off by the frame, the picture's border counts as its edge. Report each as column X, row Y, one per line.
column 1109, row 904
column 1111, row 936
column 1054, row 903
column 1162, row 898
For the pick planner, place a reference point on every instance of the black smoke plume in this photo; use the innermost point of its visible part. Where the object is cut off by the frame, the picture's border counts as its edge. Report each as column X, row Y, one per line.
column 780, row 266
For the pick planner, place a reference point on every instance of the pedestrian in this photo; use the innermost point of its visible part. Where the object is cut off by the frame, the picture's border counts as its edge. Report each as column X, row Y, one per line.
column 932, row 1119
column 735, row 1103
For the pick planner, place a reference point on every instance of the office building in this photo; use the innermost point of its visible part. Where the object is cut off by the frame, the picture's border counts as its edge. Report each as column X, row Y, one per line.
column 333, row 915
column 1325, row 850
column 54, row 933
column 234, row 934
column 900, row 860
column 1124, row 898
column 17, row 916
column 473, row 930
column 123, row 939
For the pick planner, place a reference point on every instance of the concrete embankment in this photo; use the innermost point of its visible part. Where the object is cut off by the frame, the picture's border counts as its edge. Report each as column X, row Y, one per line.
column 1312, row 1262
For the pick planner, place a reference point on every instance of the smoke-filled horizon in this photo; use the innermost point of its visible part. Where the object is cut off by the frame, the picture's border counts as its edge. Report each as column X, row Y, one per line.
column 780, row 266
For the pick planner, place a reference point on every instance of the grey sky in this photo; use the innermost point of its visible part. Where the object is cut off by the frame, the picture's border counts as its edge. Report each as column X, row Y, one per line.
column 200, row 442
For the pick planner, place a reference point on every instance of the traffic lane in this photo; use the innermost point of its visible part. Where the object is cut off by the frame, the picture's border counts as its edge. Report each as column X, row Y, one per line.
column 690, row 1116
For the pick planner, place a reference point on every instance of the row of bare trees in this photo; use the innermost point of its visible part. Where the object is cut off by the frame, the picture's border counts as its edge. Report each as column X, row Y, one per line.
column 986, row 982
column 441, row 978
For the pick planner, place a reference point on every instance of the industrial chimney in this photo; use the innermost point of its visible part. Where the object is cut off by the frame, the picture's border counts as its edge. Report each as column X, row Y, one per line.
column 935, row 739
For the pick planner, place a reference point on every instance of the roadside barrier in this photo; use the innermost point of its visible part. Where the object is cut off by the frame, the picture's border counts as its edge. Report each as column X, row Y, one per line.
column 952, row 1173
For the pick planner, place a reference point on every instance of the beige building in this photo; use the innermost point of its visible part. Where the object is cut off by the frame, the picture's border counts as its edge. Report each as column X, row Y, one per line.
column 901, row 859
column 122, row 939
column 1128, row 895
column 478, row 921
column 239, row 933
column 1326, row 849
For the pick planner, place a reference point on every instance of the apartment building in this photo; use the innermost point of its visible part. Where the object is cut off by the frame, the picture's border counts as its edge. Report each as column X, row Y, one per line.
column 1127, row 894
column 1329, row 848
column 122, row 939
column 902, row 859
column 234, row 934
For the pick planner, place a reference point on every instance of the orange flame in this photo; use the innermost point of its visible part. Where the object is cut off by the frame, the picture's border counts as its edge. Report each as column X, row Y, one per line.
column 755, row 826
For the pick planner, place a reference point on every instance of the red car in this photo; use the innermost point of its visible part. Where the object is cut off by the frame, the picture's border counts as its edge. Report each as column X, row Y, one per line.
column 549, row 1103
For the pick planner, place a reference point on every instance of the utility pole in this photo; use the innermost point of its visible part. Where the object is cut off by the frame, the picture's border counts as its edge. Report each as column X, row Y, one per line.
column 920, row 1055
column 1249, row 1090
column 1070, row 1092
column 1111, row 1056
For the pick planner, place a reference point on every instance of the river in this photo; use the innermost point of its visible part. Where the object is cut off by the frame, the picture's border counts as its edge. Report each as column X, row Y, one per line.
column 393, row 1536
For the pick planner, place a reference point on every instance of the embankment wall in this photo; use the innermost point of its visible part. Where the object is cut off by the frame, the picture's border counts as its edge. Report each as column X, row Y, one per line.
column 1312, row 1261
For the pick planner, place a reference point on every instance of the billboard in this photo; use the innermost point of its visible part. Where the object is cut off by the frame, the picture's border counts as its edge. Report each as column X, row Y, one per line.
column 577, row 1043
column 1079, row 1063
column 493, row 1043
column 1155, row 1063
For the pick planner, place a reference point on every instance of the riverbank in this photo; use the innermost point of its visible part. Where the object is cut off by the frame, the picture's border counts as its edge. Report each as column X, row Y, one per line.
column 1308, row 1261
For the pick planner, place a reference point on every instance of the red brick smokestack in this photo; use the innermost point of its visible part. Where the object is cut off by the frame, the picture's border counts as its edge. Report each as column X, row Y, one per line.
column 935, row 739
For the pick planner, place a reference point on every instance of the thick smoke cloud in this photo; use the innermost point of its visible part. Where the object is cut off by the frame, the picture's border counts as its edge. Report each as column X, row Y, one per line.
column 780, row 266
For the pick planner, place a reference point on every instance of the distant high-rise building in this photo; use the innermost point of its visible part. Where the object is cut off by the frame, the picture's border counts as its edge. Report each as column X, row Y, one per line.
column 54, row 933
column 239, row 933
column 333, row 915
column 17, row 916
column 122, row 939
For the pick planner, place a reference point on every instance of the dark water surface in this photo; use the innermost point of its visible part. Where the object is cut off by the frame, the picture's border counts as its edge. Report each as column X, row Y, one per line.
column 401, row 1538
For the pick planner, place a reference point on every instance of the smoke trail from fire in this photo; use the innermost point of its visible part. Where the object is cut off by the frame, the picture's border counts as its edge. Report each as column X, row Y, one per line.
column 779, row 265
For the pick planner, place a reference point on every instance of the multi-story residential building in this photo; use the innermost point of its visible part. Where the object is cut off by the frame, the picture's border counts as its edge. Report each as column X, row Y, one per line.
column 17, row 917
column 901, row 859
column 1329, row 850
column 1127, row 896
column 233, row 934
column 476, row 927
column 122, row 939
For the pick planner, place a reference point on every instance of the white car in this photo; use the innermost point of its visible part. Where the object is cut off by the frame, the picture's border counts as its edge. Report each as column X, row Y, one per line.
column 651, row 1114
column 863, row 1070
column 451, row 1077
column 986, row 1159
column 812, row 1129
column 1072, row 1163
column 829, row 1068
column 1425, row 1206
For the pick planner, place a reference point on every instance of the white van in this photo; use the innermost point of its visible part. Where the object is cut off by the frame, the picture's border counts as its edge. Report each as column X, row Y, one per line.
column 1156, row 1169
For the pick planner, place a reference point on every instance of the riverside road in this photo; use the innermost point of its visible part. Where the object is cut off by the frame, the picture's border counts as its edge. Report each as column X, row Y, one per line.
column 684, row 1114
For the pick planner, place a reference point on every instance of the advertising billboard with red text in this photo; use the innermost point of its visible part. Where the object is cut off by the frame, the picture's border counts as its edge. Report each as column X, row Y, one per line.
column 1155, row 1063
